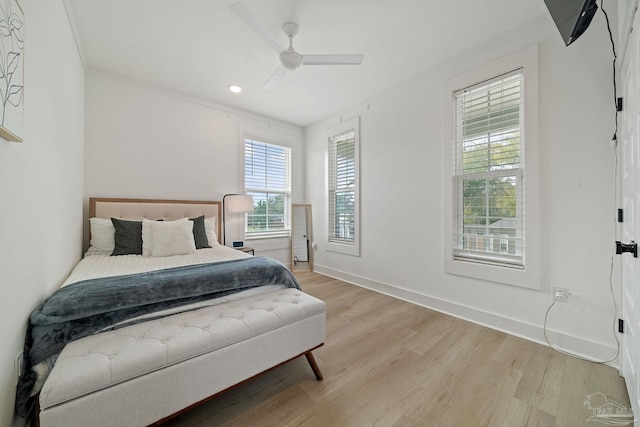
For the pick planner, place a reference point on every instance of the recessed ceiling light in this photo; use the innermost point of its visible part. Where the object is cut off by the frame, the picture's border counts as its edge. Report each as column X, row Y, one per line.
column 235, row 88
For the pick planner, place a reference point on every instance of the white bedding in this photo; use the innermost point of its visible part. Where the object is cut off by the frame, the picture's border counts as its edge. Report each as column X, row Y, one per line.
column 101, row 265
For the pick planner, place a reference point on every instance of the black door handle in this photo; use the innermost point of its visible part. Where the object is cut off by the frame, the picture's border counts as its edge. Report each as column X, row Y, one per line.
column 627, row 247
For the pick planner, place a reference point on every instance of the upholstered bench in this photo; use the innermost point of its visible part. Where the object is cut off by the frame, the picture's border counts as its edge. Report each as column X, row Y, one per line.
column 144, row 373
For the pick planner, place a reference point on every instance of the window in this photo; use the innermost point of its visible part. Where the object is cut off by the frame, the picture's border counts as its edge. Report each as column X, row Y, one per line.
column 343, row 206
column 491, row 220
column 342, row 188
column 267, row 177
column 488, row 171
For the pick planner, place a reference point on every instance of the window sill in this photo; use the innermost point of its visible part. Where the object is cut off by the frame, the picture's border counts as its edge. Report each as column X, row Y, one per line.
column 353, row 250
column 267, row 236
column 524, row 278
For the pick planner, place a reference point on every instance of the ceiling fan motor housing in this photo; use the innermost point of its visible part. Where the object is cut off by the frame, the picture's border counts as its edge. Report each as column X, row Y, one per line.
column 290, row 59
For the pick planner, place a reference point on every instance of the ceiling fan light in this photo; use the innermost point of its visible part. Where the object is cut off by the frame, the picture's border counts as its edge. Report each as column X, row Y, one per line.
column 291, row 60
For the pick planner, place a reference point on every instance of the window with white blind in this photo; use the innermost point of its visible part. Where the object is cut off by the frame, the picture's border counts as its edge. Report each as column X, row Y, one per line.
column 492, row 198
column 343, row 205
column 267, row 177
column 488, row 171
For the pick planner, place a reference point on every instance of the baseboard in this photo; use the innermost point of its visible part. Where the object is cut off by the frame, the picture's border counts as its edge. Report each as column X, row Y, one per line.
column 578, row 346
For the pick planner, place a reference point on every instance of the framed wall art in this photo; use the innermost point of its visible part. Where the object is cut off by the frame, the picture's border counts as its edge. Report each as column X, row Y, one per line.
column 11, row 70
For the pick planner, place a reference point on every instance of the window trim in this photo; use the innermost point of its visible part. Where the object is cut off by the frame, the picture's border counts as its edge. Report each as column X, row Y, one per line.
column 286, row 232
column 352, row 249
column 529, row 275
column 460, row 103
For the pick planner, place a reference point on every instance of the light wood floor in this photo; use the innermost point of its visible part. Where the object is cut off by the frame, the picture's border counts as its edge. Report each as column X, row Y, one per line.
column 391, row 363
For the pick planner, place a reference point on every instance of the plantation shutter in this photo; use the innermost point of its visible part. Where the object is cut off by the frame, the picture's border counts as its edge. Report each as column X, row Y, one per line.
column 489, row 170
column 342, row 187
column 267, row 178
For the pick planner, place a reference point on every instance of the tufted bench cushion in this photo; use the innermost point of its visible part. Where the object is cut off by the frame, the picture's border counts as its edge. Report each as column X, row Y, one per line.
column 105, row 360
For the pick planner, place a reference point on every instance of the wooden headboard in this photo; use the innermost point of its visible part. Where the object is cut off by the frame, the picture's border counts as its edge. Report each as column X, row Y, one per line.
column 168, row 210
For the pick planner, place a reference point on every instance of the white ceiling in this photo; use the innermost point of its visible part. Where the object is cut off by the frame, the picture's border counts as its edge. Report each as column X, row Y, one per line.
column 199, row 47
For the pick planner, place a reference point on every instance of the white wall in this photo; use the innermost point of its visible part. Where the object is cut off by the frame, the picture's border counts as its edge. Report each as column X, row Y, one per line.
column 144, row 142
column 41, row 182
column 402, row 191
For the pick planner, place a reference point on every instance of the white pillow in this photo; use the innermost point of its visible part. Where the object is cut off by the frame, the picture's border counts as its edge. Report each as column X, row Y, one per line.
column 171, row 237
column 102, row 235
column 211, row 228
column 147, row 240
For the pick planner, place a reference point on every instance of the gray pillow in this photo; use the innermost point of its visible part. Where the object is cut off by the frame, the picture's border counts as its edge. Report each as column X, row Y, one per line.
column 128, row 237
column 199, row 233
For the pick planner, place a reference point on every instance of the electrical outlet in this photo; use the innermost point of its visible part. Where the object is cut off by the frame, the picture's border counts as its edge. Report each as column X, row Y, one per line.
column 561, row 294
column 17, row 364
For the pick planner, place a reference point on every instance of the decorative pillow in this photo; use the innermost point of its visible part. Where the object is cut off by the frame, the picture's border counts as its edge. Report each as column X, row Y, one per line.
column 172, row 237
column 199, row 232
column 102, row 235
column 127, row 236
column 147, row 238
column 211, row 228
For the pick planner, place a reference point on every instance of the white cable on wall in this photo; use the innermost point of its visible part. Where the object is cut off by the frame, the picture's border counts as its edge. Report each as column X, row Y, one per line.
column 615, row 192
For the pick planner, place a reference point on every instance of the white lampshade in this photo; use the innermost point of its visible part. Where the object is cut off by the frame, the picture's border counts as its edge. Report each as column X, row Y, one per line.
column 240, row 203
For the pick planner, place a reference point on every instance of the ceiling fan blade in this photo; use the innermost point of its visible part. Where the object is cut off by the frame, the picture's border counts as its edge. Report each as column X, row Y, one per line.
column 242, row 12
column 275, row 78
column 338, row 59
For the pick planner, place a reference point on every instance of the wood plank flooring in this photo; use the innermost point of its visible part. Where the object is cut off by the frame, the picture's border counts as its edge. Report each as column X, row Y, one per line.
column 387, row 362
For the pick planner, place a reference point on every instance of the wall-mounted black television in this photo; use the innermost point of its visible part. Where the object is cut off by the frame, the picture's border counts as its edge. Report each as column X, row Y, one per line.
column 572, row 17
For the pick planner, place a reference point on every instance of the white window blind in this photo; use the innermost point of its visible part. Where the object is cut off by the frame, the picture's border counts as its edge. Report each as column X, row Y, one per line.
column 489, row 171
column 342, row 188
column 267, row 177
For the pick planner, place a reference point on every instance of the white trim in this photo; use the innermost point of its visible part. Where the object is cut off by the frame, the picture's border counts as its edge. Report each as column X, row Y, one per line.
column 287, row 193
column 529, row 277
column 284, row 234
column 627, row 11
column 570, row 343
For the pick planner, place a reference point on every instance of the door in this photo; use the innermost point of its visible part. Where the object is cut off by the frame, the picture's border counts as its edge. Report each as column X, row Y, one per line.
column 629, row 151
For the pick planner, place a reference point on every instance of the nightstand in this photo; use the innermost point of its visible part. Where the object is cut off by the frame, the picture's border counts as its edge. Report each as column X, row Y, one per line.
column 246, row 249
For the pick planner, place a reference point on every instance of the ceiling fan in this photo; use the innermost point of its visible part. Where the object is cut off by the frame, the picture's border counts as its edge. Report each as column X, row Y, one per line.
column 289, row 58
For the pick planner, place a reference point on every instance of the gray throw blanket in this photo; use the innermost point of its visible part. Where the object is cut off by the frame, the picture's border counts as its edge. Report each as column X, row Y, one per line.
column 83, row 308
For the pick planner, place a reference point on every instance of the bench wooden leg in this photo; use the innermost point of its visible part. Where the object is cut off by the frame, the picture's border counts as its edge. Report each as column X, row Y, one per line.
column 314, row 365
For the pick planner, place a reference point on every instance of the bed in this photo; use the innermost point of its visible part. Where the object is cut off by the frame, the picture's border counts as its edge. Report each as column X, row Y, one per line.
column 169, row 322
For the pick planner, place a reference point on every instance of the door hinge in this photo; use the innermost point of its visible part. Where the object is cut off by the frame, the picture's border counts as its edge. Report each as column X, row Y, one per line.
column 619, row 104
column 620, row 215
column 627, row 247
column 621, row 326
